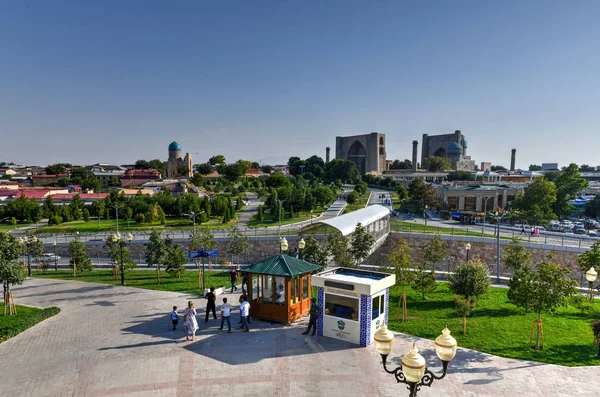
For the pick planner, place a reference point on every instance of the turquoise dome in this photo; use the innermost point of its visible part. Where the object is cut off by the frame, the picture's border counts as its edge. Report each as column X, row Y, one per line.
column 464, row 143
column 454, row 148
column 174, row 146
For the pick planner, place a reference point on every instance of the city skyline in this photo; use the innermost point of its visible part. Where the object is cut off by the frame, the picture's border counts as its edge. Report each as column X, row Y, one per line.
column 112, row 82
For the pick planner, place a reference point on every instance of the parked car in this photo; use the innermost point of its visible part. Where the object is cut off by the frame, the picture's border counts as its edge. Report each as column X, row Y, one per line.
column 50, row 257
column 579, row 229
column 593, row 233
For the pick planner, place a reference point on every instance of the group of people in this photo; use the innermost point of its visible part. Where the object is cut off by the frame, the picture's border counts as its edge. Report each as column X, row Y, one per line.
column 190, row 323
column 534, row 231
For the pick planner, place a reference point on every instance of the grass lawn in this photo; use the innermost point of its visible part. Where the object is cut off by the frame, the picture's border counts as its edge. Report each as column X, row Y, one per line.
column 499, row 327
column 145, row 279
column 110, row 225
column 412, row 227
column 285, row 220
column 362, row 201
column 5, row 227
column 26, row 317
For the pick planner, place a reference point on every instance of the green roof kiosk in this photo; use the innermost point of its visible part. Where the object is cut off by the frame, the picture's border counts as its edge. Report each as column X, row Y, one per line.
column 279, row 288
column 354, row 303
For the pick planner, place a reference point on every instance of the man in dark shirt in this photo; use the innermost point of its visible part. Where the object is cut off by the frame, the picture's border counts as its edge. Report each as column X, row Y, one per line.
column 210, row 305
column 233, row 277
column 314, row 314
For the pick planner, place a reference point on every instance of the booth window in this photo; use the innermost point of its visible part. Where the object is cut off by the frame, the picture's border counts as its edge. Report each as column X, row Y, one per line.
column 378, row 306
column 341, row 306
column 268, row 289
column 256, row 286
column 280, row 290
column 305, row 288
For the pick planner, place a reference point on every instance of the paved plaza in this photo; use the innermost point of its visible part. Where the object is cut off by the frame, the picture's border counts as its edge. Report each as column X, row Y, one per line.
column 116, row 341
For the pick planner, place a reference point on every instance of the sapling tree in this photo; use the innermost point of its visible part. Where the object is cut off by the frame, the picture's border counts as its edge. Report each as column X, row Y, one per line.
column 11, row 271
column 402, row 262
column 469, row 282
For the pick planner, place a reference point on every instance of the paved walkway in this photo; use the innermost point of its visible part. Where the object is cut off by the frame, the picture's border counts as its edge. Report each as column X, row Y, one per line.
column 116, row 341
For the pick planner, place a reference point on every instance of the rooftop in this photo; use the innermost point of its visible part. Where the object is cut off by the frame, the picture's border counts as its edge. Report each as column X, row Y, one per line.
column 282, row 265
column 346, row 223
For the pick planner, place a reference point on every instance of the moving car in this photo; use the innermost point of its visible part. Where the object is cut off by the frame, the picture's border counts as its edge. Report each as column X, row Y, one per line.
column 50, row 257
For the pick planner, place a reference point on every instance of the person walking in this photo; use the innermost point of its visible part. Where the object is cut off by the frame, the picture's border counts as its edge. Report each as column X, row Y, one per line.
column 225, row 315
column 245, row 311
column 233, row 277
column 522, row 229
column 210, row 304
column 189, row 317
column 174, row 318
column 245, row 283
column 240, row 301
column 314, row 314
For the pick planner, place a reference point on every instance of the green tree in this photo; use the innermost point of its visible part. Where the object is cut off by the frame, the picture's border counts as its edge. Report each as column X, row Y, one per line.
column 337, row 245
column 313, row 253
column 218, row 159
column 343, row 170
column 402, row 195
column 157, row 165
column 521, row 284
column 422, row 194
column 592, row 207
column 119, row 252
column 238, row 203
column 11, row 272
column 78, row 256
column 34, row 249
column 361, row 188
column 204, row 168
column 552, row 287
column 461, row 176
column 261, row 213
column 535, row 204
column 437, row 164
column 237, row 243
column 535, row 167
column 402, row 261
column 58, row 168
column 176, row 258
column 590, row 258
column 203, row 237
column 86, row 215
column 434, row 251
column 401, row 165
column 568, row 184
column 424, row 281
column 156, row 251
column 352, row 198
column 361, row 243
column 470, row 281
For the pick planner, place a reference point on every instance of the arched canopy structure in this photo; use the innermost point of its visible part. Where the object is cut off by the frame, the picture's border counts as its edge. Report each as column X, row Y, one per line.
column 346, row 223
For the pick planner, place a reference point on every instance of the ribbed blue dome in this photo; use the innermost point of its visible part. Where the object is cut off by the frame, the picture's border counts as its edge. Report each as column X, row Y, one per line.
column 174, row 146
column 454, row 148
column 464, row 143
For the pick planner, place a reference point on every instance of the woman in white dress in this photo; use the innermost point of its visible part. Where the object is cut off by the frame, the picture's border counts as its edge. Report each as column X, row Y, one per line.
column 190, row 321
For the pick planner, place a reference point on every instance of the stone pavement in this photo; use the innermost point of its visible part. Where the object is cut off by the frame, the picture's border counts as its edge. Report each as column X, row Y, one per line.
column 116, row 341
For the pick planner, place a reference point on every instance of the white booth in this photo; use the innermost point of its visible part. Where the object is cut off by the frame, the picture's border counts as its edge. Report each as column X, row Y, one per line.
column 353, row 303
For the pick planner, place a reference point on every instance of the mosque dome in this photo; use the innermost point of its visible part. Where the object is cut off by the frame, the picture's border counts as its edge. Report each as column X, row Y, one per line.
column 454, row 148
column 465, row 143
column 174, row 146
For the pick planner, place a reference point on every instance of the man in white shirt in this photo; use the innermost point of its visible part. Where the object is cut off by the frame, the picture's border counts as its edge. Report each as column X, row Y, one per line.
column 245, row 312
column 225, row 315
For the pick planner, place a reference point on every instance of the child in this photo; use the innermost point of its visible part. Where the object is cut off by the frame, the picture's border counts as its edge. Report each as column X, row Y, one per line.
column 174, row 318
column 225, row 315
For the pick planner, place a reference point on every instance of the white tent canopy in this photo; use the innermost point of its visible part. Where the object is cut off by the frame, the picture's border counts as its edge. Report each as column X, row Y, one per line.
column 346, row 223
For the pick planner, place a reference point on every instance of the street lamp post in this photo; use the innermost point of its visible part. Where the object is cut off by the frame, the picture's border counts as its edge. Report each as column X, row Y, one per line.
column 301, row 245
column 283, row 245
column 116, row 207
column 280, row 202
column 591, row 275
column 193, row 216
column 468, row 248
column 485, row 212
column 498, row 217
column 413, row 371
column 55, row 258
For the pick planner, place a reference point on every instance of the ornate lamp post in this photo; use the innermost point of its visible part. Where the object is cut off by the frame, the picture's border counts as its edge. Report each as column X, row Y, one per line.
column 468, row 248
column 116, row 238
column 193, row 216
column 591, row 275
column 301, row 245
column 283, row 245
column 55, row 258
column 413, row 371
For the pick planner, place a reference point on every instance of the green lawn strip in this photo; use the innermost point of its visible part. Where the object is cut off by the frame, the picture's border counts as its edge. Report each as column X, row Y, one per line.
column 411, row 227
column 111, row 225
column 285, row 220
column 5, row 227
column 360, row 204
column 26, row 317
column 499, row 327
column 145, row 279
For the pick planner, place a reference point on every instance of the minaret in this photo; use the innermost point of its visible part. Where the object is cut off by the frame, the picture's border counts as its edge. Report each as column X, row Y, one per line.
column 414, row 156
column 513, row 155
column 327, row 150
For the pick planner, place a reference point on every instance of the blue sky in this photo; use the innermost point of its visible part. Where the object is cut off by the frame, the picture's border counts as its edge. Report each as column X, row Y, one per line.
column 115, row 81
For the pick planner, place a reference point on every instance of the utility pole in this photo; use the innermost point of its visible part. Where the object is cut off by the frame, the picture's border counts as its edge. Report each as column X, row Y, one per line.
column 116, row 207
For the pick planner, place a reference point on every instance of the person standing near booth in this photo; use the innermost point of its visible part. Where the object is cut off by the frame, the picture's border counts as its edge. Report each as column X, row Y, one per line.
column 233, row 277
column 314, row 314
column 245, row 311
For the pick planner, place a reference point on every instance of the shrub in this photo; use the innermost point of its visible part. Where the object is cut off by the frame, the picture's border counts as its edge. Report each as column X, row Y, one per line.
column 139, row 218
column 13, row 221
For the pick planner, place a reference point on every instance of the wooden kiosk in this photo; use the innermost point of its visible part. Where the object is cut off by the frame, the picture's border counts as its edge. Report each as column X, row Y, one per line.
column 279, row 288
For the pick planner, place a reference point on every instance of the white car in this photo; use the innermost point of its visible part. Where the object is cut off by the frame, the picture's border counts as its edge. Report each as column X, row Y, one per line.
column 50, row 257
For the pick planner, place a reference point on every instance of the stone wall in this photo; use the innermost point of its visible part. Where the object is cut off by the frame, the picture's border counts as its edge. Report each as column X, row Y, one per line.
column 481, row 248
